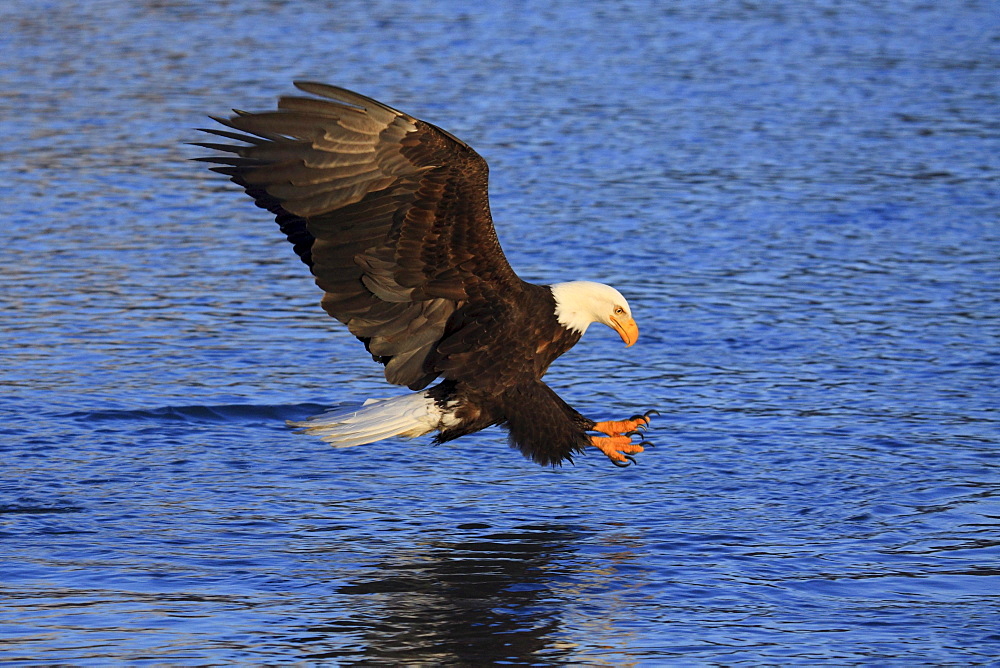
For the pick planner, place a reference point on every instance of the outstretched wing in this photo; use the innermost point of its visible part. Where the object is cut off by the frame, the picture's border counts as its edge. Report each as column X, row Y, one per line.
column 390, row 213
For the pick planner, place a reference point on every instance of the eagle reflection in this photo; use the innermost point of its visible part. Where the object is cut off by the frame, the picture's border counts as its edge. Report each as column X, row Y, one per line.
column 476, row 601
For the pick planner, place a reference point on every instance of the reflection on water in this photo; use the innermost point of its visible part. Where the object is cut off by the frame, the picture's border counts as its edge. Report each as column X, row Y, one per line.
column 475, row 602
column 484, row 597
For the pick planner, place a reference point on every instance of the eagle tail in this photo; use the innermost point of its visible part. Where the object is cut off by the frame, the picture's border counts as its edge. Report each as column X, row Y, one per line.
column 409, row 416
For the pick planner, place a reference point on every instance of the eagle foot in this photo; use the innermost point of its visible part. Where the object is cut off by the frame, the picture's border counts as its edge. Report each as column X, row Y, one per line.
column 628, row 427
column 619, row 448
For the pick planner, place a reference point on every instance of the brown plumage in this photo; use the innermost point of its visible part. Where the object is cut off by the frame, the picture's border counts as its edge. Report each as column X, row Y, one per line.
column 391, row 214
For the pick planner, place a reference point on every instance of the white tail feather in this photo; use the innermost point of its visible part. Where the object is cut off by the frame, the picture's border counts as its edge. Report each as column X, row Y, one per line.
column 410, row 415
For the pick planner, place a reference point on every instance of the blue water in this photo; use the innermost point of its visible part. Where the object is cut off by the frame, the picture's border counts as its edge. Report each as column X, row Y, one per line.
column 800, row 200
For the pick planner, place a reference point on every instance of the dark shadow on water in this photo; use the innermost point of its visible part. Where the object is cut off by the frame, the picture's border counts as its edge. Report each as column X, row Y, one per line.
column 219, row 413
column 481, row 600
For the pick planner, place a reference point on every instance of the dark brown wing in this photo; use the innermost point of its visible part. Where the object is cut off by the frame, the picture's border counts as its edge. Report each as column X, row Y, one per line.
column 392, row 216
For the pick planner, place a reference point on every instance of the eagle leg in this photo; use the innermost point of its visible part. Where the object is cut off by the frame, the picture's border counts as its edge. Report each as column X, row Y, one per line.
column 618, row 448
column 623, row 427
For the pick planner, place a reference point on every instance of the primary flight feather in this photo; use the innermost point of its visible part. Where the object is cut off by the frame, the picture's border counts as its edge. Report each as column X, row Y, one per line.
column 391, row 215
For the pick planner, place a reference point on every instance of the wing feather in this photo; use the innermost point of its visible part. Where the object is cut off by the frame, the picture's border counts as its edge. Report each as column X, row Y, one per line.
column 392, row 216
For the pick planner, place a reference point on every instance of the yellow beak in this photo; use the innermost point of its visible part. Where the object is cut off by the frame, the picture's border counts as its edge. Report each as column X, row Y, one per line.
column 627, row 329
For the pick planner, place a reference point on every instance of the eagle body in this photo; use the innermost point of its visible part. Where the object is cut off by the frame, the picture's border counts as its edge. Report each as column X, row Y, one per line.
column 504, row 379
column 391, row 215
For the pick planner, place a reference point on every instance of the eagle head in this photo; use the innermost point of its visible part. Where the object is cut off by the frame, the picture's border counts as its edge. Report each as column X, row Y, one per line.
column 580, row 303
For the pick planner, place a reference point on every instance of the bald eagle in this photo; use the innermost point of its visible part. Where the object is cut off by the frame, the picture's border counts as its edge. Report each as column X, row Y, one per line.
column 392, row 217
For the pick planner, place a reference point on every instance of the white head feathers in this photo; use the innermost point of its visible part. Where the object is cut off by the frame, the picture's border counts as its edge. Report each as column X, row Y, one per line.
column 580, row 303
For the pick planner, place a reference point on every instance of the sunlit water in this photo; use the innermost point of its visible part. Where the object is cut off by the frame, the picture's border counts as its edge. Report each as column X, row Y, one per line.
column 799, row 199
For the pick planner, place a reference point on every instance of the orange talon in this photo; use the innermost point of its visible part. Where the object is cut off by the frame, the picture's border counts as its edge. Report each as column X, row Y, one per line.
column 617, row 448
column 619, row 427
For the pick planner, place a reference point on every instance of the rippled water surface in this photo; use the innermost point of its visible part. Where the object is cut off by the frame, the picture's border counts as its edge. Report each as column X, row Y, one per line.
column 799, row 199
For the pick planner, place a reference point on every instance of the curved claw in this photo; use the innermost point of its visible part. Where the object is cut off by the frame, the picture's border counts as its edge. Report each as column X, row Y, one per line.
column 622, row 465
column 651, row 411
column 630, row 458
column 632, row 433
column 647, row 444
